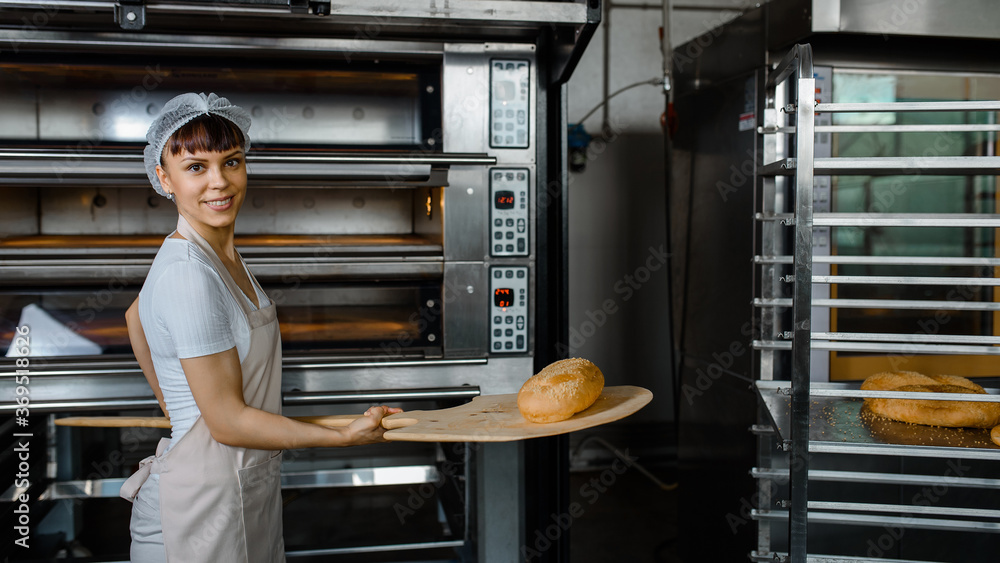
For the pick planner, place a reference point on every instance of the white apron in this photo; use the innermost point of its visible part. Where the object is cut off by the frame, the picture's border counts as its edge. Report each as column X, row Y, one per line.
column 219, row 503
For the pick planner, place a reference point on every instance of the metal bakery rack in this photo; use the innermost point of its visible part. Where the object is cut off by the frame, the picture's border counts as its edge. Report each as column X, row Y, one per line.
column 824, row 469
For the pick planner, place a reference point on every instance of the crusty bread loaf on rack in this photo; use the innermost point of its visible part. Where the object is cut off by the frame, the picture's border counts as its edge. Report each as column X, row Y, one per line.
column 561, row 390
column 933, row 413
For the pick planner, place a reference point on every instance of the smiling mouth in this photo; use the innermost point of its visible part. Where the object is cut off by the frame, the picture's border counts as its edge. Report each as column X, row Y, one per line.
column 220, row 203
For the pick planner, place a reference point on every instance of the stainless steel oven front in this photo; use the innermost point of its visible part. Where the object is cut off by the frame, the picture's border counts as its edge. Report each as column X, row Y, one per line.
column 392, row 215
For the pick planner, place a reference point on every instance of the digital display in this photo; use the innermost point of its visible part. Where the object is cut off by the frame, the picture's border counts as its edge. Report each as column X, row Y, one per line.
column 504, row 90
column 504, row 199
column 503, row 297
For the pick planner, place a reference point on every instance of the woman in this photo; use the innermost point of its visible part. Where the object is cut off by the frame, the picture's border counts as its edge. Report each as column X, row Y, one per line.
column 211, row 351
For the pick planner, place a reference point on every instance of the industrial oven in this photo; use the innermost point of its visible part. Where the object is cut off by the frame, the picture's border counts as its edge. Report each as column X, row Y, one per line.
column 406, row 213
column 856, row 141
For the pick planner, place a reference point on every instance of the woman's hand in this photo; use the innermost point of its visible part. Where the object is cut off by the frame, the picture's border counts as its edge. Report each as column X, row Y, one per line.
column 368, row 429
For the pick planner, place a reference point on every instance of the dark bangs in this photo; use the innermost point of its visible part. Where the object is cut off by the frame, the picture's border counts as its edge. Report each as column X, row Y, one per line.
column 209, row 133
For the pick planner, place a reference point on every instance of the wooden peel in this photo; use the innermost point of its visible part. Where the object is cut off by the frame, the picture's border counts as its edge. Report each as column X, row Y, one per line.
column 495, row 418
column 336, row 420
column 489, row 418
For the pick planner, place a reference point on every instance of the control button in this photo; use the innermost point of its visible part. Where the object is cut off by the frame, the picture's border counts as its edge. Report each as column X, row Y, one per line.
column 497, row 320
column 522, row 137
column 509, row 274
column 523, row 206
column 508, row 332
column 510, row 248
column 510, row 127
column 510, row 175
column 520, row 322
column 510, row 66
column 498, row 235
column 510, row 234
column 520, row 290
column 498, row 139
column 497, row 175
column 499, row 126
column 497, row 274
column 521, row 176
column 520, row 275
column 508, row 319
column 510, row 222
column 498, row 113
column 497, row 332
column 521, row 224
column 510, row 113
column 520, row 117
column 497, row 345
column 509, row 140
column 498, row 222
column 521, row 246
column 498, row 248
column 520, row 341
column 508, row 345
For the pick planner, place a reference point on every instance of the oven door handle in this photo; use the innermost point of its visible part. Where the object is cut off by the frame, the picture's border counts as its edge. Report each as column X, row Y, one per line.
column 379, row 396
column 392, row 169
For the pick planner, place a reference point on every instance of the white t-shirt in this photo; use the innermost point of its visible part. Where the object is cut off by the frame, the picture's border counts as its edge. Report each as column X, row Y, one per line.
column 187, row 311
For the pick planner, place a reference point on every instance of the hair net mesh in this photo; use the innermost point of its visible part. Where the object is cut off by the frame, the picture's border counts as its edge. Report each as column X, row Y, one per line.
column 178, row 112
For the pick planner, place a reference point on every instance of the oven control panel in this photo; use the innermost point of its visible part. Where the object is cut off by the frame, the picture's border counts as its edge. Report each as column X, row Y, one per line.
column 509, row 86
column 509, row 212
column 508, row 309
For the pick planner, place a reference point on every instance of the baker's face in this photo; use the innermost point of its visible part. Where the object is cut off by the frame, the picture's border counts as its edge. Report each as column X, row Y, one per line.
column 208, row 187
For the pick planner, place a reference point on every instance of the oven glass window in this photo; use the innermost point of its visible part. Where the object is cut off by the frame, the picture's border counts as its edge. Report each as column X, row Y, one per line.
column 400, row 317
column 914, row 193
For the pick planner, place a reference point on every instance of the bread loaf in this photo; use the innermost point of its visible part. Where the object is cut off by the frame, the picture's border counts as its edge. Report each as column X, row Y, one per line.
column 934, row 413
column 561, row 390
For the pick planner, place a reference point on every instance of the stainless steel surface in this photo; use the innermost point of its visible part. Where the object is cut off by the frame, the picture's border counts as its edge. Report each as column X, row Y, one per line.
column 756, row 41
column 884, row 478
column 465, row 292
column 907, row 280
column 322, row 398
column 327, row 165
column 417, row 10
column 375, row 548
column 891, row 219
column 369, row 476
column 890, row 260
column 893, row 165
column 837, row 425
column 886, row 347
column 889, row 304
column 900, row 521
column 805, row 87
column 500, row 505
column 904, row 509
column 844, row 107
column 70, row 405
column 888, row 337
column 772, row 556
column 908, row 128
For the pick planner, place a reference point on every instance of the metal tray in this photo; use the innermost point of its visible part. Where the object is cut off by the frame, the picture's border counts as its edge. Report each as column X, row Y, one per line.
column 843, row 425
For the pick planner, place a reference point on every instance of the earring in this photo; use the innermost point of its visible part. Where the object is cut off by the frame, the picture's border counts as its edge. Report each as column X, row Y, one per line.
column 170, row 196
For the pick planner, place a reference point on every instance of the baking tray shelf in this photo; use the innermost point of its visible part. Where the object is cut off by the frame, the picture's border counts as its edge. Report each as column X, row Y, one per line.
column 841, row 425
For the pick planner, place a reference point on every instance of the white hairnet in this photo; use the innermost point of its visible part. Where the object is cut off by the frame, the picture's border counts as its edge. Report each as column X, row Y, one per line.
column 178, row 112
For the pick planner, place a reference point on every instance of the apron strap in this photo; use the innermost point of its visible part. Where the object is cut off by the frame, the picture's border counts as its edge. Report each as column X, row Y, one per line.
column 188, row 232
